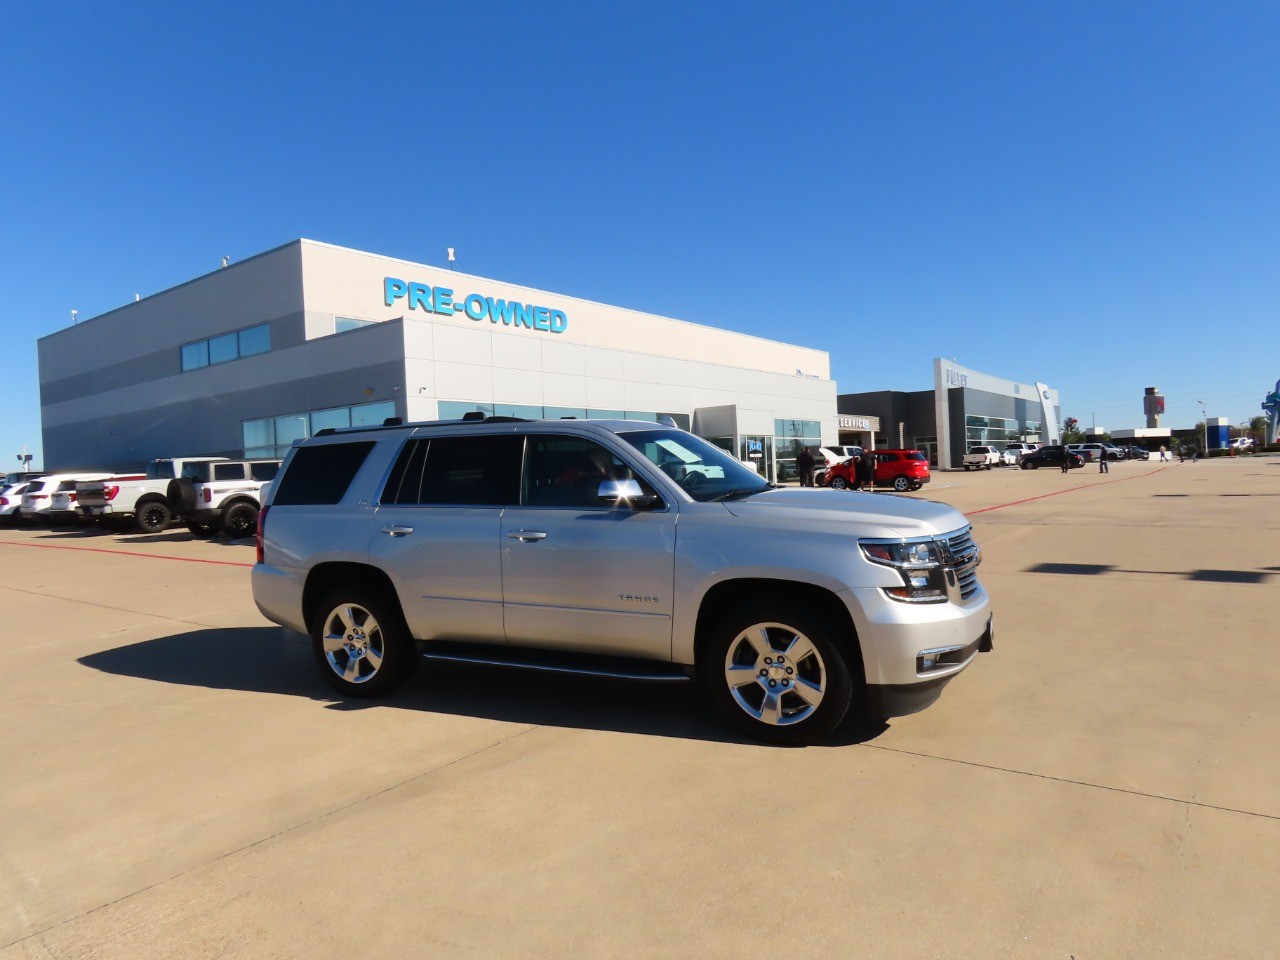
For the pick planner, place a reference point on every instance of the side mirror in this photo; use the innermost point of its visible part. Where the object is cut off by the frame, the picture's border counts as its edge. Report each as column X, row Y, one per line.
column 612, row 492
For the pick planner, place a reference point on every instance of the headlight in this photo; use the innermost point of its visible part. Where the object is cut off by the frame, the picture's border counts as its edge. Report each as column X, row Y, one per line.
column 918, row 562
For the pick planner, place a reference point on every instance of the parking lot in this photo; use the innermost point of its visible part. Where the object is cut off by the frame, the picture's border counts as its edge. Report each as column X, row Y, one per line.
column 179, row 781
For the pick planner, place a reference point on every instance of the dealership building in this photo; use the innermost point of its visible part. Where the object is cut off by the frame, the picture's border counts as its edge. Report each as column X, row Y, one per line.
column 249, row 358
column 964, row 409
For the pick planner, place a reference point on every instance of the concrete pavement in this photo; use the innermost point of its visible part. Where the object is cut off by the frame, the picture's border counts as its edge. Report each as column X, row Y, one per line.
column 178, row 780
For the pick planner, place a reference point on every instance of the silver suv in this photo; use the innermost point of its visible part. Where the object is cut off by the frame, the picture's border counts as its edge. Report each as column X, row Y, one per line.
column 620, row 548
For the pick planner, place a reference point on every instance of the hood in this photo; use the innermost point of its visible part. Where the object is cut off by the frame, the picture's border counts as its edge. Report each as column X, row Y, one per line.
column 876, row 514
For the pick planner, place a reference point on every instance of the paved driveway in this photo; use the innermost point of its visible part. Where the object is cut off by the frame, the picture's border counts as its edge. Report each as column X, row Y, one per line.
column 178, row 782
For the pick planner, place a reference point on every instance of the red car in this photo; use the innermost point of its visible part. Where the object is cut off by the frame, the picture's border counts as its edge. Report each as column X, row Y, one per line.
column 901, row 469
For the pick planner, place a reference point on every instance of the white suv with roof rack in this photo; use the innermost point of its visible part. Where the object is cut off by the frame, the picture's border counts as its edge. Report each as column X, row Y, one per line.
column 564, row 545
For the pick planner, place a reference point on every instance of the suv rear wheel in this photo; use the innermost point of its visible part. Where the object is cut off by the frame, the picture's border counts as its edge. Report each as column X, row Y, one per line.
column 901, row 484
column 360, row 642
column 240, row 520
column 777, row 675
column 152, row 516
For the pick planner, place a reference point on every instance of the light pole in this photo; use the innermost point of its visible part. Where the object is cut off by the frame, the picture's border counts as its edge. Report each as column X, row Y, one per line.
column 1204, row 422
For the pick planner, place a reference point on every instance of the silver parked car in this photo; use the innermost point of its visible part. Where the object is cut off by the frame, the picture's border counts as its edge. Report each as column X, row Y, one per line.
column 621, row 548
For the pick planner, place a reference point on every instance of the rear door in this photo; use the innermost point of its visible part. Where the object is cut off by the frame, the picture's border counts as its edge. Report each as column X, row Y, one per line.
column 436, row 529
column 578, row 575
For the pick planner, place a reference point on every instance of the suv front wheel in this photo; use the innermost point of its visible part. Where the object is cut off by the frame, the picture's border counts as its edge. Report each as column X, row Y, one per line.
column 360, row 642
column 777, row 675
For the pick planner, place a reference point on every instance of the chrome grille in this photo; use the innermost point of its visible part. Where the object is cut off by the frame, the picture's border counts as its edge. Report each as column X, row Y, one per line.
column 963, row 557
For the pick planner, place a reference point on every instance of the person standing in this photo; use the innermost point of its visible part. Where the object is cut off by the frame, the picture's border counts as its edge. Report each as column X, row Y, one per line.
column 1066, row 459
column 804, row 461
column 1164, row 454
column 1103, row 466
column 867, row 470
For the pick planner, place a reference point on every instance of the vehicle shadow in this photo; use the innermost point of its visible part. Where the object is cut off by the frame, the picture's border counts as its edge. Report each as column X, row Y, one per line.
column 269, row 660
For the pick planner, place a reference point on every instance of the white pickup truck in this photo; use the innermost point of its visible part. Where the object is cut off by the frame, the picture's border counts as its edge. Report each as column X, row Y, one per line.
column 983, row 458
column 143, row 503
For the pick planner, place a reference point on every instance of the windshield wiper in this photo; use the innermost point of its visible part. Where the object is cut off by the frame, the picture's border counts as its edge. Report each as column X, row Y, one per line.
column 738, row 492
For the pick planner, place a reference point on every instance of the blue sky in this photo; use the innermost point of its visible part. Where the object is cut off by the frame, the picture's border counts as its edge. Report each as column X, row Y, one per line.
column 1083, row 193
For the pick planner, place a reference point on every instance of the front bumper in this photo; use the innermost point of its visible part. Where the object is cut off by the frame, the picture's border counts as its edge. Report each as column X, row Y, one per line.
column 910, row 650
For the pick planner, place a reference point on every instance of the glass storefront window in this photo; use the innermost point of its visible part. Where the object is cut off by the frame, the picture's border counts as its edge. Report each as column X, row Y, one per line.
column 259, row 434
column 343, row 324
column 322, row 419
column 455, row 409
column 291, row 428
column 559, row 413
column 606, row 415
column 372, row 414
column 224, row 348
column 522, row 410
column 255, row 340
column 195, row 355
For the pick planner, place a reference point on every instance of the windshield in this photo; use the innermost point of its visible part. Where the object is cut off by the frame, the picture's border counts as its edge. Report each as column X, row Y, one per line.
column 704, row 471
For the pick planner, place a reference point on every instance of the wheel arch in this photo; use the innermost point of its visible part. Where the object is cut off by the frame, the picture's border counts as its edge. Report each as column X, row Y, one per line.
column 324, row 577
column 724, row 596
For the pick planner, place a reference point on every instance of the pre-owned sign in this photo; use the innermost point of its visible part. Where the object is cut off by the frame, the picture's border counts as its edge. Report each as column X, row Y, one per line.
column 442, row 301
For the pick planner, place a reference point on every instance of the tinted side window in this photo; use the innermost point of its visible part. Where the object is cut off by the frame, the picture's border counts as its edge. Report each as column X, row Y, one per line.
column 456, row 470
column 228, row 471
column 566, row 472
column 264, row 471
column 472, row 470
column 404, row 485
column 322, row 474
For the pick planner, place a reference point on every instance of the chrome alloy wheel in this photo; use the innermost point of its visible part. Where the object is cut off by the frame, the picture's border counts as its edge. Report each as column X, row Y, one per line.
column 775, row 674
column 353, row 643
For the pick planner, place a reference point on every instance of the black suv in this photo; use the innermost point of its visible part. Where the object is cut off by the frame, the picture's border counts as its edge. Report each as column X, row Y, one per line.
column 1051, row 457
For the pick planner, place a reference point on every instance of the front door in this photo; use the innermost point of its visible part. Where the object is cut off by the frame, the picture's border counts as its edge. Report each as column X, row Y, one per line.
column 580, row 576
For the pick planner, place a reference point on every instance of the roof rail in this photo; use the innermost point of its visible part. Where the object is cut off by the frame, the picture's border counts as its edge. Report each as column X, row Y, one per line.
column 393, row 422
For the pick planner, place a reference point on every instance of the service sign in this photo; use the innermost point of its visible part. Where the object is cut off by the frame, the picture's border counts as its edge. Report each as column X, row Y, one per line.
column 443, row 301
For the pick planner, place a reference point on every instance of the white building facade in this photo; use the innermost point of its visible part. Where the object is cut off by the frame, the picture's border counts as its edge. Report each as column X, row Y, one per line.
column 243, row 361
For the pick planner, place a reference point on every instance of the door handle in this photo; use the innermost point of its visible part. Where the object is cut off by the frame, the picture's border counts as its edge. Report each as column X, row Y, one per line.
column 397, row 531
column 527, row 535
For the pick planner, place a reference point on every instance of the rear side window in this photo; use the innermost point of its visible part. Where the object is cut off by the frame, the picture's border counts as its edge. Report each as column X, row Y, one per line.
column 228, row 471
column 321, row 474
column 264, row 471
column 917, row 455
column 462, row 471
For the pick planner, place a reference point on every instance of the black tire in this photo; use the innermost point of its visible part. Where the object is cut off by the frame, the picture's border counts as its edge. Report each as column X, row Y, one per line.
column 1029, row 465
column 916, row 486
column 901, row 484
column 240, row 520
column 181, row 494
column 753, row 644
column 967, row 467
column 839, row 483
column 355, row 659
column 202, row 528
column 152, row 516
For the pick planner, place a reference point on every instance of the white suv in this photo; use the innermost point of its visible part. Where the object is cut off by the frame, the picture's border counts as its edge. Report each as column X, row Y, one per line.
column 221, row 495
column 563, row 545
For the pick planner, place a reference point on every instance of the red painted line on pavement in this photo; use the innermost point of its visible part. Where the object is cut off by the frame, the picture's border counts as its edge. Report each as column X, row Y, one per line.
column 1056, row 493
column 124, row 553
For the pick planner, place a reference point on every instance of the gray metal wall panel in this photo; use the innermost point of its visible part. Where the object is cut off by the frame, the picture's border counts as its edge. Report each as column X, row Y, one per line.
column 157, row 365
column 211, row 424
column 261, row 288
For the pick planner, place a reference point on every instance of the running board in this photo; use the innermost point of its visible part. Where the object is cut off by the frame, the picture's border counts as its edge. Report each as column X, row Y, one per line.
column 617, row 668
